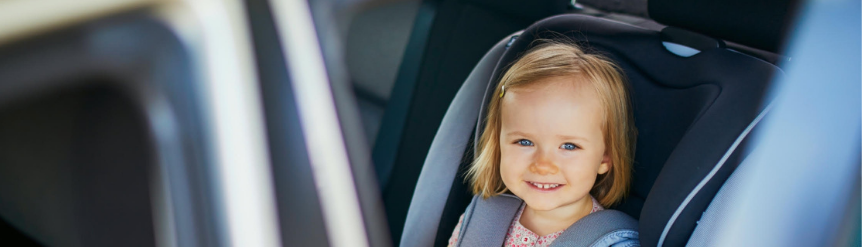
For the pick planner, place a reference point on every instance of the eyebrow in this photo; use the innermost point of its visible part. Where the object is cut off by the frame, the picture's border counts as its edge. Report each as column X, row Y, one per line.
column 572, row 138
column 565, row 137
column 516, row 133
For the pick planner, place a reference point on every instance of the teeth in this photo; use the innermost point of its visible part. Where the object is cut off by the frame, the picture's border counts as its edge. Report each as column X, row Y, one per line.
column 545, row 186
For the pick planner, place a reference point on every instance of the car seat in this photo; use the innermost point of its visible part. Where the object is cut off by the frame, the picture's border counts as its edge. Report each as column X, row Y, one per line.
column 694, row 100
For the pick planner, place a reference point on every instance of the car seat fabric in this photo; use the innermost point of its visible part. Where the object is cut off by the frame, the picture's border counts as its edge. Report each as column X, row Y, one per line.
column 603, row 228
column 760, row 24
column 486, row 223
column 688, row 111
column 447, row 40
column 709, row 227
column 448, row 148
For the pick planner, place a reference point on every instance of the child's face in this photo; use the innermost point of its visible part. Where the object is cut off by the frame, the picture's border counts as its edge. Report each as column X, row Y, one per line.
column 551, row 142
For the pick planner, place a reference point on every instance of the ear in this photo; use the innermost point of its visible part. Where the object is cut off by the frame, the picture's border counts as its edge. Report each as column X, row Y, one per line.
column 606, row 164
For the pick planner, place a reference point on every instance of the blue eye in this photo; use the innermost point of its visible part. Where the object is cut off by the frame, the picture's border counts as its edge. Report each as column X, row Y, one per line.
column 568, row 146
column 525, row 142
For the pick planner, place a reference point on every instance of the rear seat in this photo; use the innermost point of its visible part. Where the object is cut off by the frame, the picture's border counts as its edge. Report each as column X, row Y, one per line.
column 693, row 113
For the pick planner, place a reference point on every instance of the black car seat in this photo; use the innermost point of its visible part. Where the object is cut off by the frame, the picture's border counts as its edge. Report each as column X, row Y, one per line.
column 695, row 100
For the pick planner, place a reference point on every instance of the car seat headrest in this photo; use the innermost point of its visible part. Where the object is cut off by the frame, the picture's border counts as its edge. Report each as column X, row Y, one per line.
column 573, row 28
column 757, row 24
column 689, row 110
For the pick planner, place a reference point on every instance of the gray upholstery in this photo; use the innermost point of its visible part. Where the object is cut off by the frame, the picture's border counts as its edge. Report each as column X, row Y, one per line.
column 375, row 43
column 733, row 149
column 709, row 225
column 441, row 166
column 487, row 221
column 378, row 33
column 603, row 228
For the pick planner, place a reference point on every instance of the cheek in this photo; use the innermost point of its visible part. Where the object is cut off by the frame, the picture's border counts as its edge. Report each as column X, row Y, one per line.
column 506, row 170
column 583, row 167
column 580, row 177
column 515, row 156
column 580, row 172
column 513, row 163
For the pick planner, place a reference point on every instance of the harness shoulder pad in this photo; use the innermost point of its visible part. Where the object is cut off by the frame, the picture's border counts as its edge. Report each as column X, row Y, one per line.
column 486, row 221
column 600, row 229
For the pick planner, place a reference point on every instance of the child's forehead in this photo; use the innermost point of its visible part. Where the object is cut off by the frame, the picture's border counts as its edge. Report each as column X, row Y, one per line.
column 561, row 87
column 558, row 105
column 571, row 83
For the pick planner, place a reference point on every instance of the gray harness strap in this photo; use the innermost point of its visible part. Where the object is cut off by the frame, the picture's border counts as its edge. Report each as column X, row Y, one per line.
column 603, row 228
column 487, row 221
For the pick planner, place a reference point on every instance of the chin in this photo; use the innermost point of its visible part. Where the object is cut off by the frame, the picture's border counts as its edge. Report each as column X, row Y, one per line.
column 544, row 206
column 541, row 208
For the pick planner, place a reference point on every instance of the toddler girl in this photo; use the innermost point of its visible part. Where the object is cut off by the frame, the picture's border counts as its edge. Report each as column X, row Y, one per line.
column 559, row 135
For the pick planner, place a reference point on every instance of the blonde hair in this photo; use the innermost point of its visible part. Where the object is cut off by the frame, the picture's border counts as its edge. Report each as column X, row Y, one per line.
column 552, row 59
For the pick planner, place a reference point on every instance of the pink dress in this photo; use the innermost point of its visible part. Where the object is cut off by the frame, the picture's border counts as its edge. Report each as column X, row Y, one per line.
column 520, row 236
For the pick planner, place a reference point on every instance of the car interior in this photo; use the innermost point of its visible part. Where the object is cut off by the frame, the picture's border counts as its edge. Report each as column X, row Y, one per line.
column 679, row 123
column 79, row 146
column 689, row 124
column 201, row 123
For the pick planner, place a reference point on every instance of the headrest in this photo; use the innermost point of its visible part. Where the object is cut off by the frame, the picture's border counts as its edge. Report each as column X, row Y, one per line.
column 573, row 27
column 758, row 24
column 688, row 110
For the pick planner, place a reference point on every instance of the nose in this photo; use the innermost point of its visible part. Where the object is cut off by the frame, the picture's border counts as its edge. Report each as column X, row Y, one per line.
column 543, row 165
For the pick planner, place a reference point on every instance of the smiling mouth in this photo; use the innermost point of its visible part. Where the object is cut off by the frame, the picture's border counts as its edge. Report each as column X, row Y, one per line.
column 545, row 186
